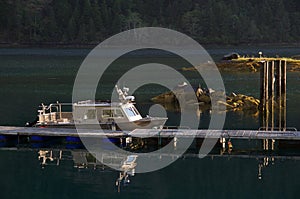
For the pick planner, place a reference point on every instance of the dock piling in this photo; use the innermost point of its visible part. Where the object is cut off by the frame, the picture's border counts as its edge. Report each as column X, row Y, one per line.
column 273, row 87
column 272, row 81
column 284, row 95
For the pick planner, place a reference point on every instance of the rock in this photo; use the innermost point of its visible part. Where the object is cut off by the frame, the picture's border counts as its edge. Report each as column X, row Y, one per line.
column 297, row 57
column 233, row 101
column 231, row 56
column 167, row 97
column 243, row 102
column 204, row 98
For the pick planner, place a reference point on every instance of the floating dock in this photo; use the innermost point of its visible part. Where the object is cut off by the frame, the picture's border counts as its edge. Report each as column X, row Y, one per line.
column 234, row 134
column 57, row 132
column 151, row 133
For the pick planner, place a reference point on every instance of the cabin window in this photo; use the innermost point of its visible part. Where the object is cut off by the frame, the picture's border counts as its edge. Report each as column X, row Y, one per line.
column 107, row 113
column 130, row 112
column 112, row 113
column 118, row 113
column 90, row 114
column 135, row 110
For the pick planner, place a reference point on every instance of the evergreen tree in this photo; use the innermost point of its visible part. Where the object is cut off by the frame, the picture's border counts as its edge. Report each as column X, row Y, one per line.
column 50, row 30
column 91, row 31
column 191, row 23
column 72, row 29
column 82, row 34
column 208, row 21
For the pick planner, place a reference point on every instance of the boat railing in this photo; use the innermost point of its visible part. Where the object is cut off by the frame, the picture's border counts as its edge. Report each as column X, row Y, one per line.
column 86, row 102
column 176, row 127
column 277, row 129
column 47, row 114
column 56, row 117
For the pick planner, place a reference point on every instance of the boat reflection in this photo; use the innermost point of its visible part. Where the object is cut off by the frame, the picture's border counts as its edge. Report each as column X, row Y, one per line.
column 264, row 162
column 82, row 159
column 48, row 158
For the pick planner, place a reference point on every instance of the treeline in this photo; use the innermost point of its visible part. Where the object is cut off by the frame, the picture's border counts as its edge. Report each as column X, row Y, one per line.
column 207, row 21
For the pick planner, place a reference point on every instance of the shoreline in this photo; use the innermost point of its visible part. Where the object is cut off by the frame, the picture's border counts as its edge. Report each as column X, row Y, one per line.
column 49, row 45
column 242, row 64
column 248, row 64
column 94, row 44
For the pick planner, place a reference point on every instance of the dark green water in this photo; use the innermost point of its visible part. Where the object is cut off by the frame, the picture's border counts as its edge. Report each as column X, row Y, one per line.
column 23, row 177
column 31, row 76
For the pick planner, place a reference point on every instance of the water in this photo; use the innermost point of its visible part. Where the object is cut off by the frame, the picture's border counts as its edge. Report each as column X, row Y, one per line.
column 31, row 76
column 23, row 177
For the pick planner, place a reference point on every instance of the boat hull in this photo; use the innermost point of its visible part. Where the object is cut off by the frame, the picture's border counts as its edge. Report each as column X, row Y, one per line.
column 145, row 123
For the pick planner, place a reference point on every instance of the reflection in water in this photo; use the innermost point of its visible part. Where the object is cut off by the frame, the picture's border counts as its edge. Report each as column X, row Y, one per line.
column 235, row 119
column 265, row 162
column 75, row 173
column 82, row 159
column 174, row 107
column 47, row 157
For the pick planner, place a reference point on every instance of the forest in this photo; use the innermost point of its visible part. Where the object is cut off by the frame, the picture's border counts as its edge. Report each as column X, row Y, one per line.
column 92, row 21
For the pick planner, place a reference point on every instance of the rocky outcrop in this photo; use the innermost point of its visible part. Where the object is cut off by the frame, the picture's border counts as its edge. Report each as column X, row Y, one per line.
column 246, row 65
column 236, row 102
column 242, row 66
column 242, row 102
column 167, row 97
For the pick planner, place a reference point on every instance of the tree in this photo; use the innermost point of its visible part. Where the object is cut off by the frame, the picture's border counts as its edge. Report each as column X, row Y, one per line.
column 253, row 33
column 96, row 14
column 91, row 31
column 72, row 29
column 191, row 23
column 50, row 30
column 82, row 34
column 209, row 21
column 133, row 20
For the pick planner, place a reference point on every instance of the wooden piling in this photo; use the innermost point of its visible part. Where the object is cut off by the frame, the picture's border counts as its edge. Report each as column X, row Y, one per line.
column 262, row 93
column 278, row 94
column 273, row 87
column 272, row 81
column 266, row 95
column 278, row 82
column 283, row 92
column 283, row 79
column 262, row 83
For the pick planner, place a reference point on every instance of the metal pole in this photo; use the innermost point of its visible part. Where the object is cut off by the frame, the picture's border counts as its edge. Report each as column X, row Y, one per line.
column 60, row 114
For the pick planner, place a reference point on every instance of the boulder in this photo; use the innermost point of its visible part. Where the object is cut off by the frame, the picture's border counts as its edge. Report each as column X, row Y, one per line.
column 242, row 102
column 233, row 101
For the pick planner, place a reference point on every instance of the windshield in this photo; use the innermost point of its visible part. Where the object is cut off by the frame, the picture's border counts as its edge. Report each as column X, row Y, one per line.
column 130, row 112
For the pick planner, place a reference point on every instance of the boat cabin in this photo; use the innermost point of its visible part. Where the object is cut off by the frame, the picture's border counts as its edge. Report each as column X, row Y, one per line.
column 115, row 116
